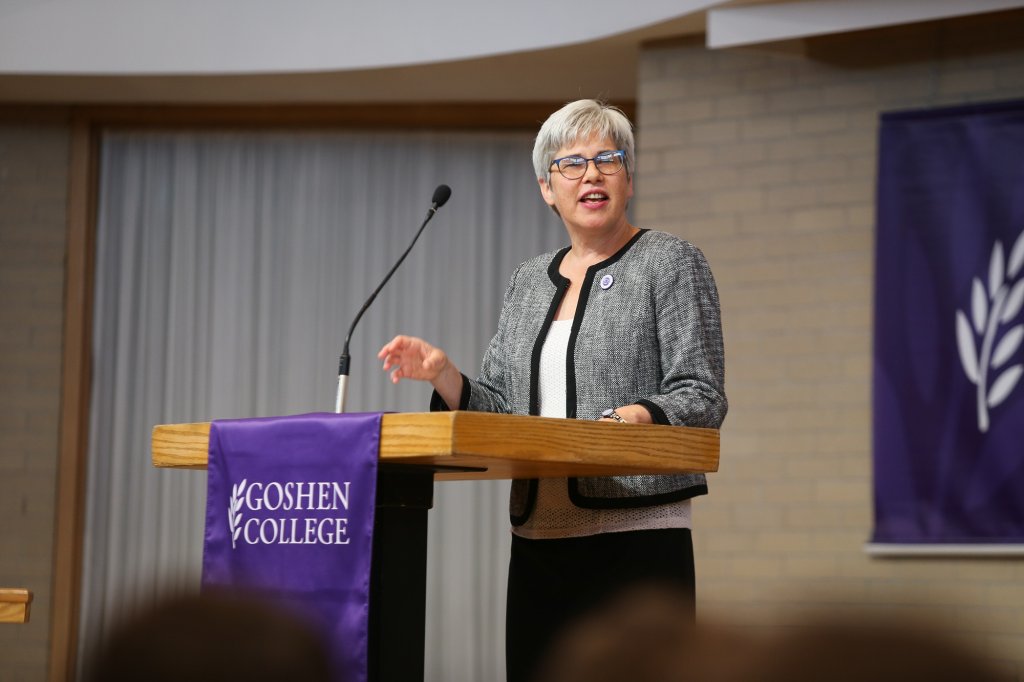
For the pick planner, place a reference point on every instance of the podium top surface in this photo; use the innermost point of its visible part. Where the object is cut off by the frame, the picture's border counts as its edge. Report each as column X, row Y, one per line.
column 485, row 446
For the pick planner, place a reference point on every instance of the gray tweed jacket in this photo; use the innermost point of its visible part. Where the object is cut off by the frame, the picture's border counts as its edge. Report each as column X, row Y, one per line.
column 647, row 331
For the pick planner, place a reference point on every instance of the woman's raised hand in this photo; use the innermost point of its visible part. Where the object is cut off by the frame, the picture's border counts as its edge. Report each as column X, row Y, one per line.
column 409, row 357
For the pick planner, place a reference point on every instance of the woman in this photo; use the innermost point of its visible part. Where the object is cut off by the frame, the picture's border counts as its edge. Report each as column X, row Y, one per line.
column 622, row 324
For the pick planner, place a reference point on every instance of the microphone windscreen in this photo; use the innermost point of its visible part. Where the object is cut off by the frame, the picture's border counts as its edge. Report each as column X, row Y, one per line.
column 441, row 195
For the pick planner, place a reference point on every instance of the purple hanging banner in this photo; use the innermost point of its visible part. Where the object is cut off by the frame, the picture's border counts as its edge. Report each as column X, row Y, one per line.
column 289, row 515
column 949, row 321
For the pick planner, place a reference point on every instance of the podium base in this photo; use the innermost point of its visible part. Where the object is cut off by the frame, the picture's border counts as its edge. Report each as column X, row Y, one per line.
column 398, row 579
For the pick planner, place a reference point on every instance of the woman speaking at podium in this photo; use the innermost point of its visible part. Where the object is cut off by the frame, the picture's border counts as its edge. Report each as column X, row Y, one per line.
column 622, row 324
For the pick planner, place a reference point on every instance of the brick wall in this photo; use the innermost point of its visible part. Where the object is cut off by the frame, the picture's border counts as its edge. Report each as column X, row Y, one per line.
column 765, row 158
column 33, row 196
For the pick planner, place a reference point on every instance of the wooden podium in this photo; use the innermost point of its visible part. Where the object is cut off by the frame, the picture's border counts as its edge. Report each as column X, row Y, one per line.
column 418, row 448
column 15, row 605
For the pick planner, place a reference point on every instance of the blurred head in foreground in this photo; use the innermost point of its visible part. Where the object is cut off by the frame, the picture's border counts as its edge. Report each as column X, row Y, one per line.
column 642, row 637
column 213, row 637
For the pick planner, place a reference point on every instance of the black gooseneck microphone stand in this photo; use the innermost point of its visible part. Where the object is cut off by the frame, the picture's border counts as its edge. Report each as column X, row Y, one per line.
column 441, row 196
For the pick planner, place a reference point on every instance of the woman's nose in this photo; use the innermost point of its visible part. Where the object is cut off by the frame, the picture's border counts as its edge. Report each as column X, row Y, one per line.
column 591, row 173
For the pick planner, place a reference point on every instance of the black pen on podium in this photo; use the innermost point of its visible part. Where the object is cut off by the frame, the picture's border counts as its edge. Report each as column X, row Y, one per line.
column 440, row 198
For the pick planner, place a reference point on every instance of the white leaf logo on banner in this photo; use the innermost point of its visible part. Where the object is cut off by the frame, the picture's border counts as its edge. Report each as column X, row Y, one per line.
column 234, row 515
column 982, row 348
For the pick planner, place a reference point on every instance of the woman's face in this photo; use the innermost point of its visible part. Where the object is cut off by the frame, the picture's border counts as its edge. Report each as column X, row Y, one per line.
column 595, row 202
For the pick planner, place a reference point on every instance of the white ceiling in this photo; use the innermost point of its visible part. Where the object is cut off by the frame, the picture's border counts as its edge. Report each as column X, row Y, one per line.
column 604, row 67
column 170, row 37
column 339, row 51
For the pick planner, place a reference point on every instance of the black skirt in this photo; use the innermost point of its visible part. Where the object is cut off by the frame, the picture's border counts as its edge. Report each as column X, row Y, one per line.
column 554, row 583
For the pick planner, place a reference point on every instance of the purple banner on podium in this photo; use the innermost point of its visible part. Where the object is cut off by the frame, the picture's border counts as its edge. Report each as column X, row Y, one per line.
column 289, row 516
column 949, row 322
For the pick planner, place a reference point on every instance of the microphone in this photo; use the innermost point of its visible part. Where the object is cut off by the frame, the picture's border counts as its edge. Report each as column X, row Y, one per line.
column 440, row 198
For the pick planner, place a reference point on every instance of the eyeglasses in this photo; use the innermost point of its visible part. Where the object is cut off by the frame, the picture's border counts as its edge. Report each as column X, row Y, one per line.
column 575, row 167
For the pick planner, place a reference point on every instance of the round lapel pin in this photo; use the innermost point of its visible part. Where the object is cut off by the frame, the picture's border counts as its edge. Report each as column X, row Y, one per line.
column 607, row 281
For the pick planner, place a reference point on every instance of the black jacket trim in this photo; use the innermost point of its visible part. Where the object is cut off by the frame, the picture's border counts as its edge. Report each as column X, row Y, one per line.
column 570, row 351
column 657, row 414
column 531, row 500
column 556, row 262
column 620, row 253
column 562, row 285
column 630, row 502
column 437, row 403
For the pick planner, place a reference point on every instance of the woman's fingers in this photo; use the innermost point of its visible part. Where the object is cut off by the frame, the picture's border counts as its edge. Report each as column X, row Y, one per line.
column 411, row 358
column 394, row 345
column 394, row 350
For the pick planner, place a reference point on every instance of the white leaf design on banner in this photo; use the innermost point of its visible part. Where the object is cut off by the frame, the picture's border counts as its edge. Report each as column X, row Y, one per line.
column 988, row 351
column 234, row 504
column 1002, row 386
column 1016, row 257
column 995, row 268
column 1008, row 346
column 979, row 306
column 965, row 344
column 1014, row 302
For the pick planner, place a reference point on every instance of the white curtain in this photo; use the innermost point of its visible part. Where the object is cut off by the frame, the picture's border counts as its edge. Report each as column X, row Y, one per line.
column 229, row 266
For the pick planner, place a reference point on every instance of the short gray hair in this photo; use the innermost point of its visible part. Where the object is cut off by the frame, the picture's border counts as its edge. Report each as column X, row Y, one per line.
column 577, row 121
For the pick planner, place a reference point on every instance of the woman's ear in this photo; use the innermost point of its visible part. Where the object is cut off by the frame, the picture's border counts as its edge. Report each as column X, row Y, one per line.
column 546, row 191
